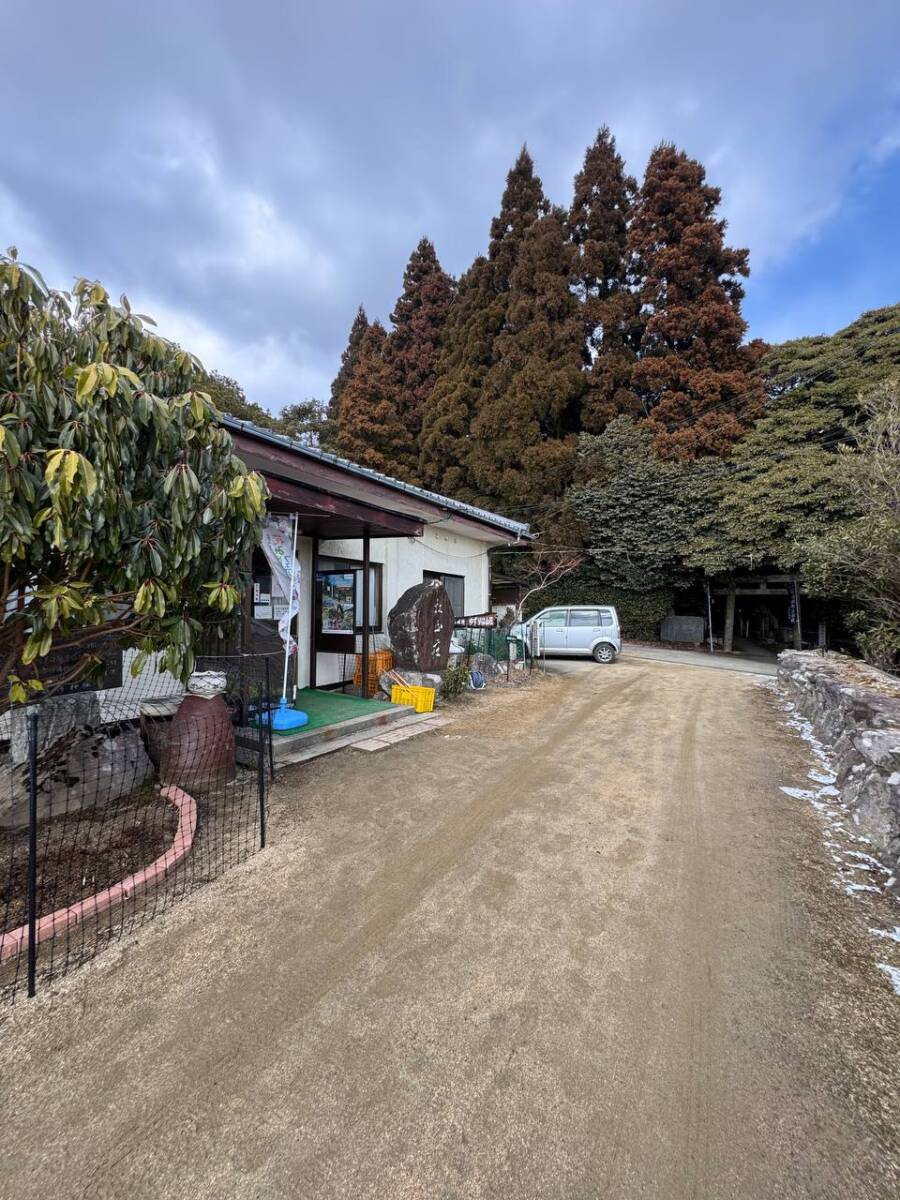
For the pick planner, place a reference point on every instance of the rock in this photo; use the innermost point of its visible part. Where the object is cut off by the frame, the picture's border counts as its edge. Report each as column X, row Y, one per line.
column 855, row 710
column 414, row 679
column 420, row 626
column 57, row 718
column 880, row 747
column 90, row 769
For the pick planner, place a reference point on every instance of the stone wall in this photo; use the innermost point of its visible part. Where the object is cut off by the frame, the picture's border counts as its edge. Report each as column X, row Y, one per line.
column 855, row 710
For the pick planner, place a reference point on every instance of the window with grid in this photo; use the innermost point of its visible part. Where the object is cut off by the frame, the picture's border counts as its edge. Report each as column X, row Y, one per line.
column 455, row 586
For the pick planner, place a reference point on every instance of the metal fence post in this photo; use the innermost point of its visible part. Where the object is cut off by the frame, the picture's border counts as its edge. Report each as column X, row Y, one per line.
column 33, row 719
column 261, row 788
column 270, row 734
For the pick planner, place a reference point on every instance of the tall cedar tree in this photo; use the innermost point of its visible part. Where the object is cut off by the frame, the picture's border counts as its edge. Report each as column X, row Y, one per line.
column 604, row 280
column 370, row 428
column 328, row 436
column 693, row 376
column 476, row 317
column 523, row 435
column 413, row 346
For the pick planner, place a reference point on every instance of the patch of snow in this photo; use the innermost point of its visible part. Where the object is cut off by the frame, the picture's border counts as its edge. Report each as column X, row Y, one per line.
column 893, row 974
column 822, row 777
column 799, row 794
column 892, row 935
column 874, row 864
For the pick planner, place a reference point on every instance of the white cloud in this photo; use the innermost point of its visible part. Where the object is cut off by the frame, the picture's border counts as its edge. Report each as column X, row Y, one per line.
column 273, row 371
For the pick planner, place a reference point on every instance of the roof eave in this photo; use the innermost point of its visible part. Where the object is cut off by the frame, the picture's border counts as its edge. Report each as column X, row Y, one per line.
column 518, row 530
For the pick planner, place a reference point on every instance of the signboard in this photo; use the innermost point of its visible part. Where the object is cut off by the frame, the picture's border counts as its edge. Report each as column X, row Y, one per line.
column 262, row 597
column 486, row 620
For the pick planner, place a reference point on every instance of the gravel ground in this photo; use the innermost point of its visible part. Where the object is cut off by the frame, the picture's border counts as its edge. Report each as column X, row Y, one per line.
column 577, row 944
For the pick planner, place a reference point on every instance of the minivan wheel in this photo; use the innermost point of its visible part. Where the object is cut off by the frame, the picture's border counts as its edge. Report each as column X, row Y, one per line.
column 604, row 653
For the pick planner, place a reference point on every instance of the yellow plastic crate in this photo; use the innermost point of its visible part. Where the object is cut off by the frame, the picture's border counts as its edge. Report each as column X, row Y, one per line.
column 420, row 698
column 379, row 661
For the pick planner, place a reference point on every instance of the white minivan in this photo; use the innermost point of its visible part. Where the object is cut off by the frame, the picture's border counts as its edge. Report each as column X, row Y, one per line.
column 576, row 629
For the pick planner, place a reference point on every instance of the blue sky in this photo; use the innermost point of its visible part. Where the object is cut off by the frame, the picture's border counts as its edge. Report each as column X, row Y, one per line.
column 249, row 174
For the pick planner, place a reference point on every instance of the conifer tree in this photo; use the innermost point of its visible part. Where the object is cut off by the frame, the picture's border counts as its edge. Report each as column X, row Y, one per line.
column 604, row 281
column 328, row 436
column 370, row 428
column 523, row 434
column 693, row 376
column 476, row 317
column 414, row 344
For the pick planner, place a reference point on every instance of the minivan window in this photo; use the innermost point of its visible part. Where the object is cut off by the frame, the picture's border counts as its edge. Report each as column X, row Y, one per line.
column 584, row 616
column 555, row 617
column 606, row 617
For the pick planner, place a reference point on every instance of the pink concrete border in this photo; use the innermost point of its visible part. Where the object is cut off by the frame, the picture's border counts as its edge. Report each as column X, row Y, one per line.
column 16, row 940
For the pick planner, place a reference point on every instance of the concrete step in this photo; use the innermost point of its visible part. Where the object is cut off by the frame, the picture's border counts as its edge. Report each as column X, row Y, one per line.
column 422, row 723
column 304, row 745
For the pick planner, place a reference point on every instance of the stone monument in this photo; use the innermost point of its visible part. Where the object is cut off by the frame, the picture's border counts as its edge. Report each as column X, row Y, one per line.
column 420, row 626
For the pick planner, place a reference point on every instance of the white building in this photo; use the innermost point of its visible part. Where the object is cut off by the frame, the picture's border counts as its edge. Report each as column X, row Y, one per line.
column 351, row 519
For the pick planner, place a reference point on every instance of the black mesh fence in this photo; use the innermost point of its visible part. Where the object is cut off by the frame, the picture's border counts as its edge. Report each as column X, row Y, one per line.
column 497, row 644
column 116, row 803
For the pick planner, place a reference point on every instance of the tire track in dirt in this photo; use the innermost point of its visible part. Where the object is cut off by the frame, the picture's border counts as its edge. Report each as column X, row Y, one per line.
column 611, row 1172
column 694, row 883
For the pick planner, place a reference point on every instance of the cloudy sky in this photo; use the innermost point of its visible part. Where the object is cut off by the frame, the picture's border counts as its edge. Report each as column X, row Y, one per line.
column 250, row 172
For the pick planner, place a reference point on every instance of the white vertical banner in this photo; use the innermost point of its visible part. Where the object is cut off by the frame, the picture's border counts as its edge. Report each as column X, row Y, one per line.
column 277, row 544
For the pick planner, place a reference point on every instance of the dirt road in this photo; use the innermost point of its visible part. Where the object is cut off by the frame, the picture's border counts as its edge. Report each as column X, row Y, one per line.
column 576, row 945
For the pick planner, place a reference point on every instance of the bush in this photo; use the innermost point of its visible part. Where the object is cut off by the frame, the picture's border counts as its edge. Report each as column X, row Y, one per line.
column 124, row 513
column 454, row 681
column 859, row 560
column 639, row 612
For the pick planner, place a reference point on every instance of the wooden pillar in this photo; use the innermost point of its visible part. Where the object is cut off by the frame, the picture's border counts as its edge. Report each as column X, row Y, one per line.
column 798, row 631
column 244, row 630
column 365, row 618
column 313, row 589
column 728, row 644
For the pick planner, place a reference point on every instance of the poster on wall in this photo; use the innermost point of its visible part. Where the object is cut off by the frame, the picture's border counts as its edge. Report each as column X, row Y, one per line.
column 338, row 601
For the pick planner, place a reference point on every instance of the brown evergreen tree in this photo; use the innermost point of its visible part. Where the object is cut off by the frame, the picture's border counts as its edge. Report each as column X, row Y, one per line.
column 693, row 376
column 604, row 280
column 522, row 446
column 370, row 428
column 462, row 365
column 476, row 317
column 328, row 436
column 413, row 346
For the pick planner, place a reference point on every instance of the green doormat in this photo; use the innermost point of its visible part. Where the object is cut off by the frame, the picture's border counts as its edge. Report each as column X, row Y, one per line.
column 330, row 708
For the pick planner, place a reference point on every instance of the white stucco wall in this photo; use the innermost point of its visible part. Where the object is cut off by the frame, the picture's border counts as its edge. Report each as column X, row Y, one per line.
column 404, row 560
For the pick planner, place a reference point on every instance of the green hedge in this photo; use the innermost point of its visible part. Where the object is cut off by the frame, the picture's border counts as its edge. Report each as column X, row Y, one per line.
column 639, row 612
